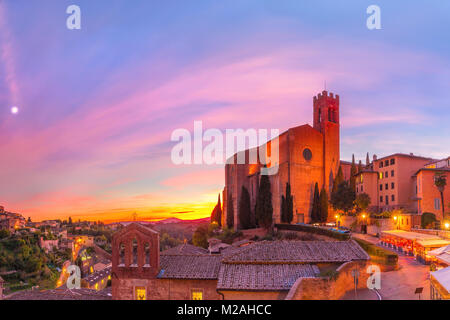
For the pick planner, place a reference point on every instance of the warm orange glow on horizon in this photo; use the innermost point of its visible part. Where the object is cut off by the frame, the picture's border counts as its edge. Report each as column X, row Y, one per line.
column 179, row 211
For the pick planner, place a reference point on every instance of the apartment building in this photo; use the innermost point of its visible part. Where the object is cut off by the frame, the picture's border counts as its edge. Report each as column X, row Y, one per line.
column 400, row 181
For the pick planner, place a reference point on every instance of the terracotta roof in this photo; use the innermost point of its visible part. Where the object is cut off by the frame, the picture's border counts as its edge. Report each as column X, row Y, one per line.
column 263, row 276
column 189, row 266
column 431, row 169
column 184, row 249
column 298, row 252
column 406, row 156
column 59, row 294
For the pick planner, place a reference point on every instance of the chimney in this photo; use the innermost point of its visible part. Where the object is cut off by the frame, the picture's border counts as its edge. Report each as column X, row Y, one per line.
column 374, row 157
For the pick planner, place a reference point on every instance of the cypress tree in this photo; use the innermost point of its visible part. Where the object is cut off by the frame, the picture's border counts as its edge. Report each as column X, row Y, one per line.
column 323, row 199
column 230, row 212
column 244, row 209
column 216, row 215
column 289, row 204
column 315, row 212
column 283, row 209
column 367, row 160
column 353, row 172
column 338, row 180
column 264, row 209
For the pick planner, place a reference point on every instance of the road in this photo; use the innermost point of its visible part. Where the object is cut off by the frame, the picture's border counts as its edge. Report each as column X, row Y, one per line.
column 400, row 284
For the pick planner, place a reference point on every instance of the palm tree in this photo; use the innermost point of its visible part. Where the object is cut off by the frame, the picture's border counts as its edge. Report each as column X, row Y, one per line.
column 440, row 181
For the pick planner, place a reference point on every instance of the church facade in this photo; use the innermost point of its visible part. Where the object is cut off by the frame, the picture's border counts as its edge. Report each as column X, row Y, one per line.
column 307, row 155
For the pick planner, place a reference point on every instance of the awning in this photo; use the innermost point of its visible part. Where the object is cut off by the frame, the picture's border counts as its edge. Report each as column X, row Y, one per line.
column 443, row 277
column 433, row 243
column 439, row 251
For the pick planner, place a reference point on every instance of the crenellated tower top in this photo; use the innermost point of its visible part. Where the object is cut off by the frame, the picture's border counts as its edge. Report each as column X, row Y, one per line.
column 326, row 109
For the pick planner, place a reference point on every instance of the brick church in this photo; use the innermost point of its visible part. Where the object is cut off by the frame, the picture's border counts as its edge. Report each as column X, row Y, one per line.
column 307, row 155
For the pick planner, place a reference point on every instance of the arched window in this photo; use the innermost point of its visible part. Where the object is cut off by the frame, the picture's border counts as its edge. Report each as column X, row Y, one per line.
column 135, row 252
column 147, row 254
column 122, row 254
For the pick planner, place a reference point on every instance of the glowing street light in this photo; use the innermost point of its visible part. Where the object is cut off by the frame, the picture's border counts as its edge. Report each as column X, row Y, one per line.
column 14, row 110
column 396, row 221
column 447, row 225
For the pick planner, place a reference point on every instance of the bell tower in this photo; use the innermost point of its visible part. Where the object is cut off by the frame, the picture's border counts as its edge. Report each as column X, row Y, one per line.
column 326, row 120
column 326, row 110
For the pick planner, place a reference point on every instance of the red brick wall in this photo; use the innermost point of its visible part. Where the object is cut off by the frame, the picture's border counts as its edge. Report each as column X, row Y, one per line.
column 164, row 289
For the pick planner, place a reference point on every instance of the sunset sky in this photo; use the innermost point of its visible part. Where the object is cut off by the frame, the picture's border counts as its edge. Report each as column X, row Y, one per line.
column 97, row 106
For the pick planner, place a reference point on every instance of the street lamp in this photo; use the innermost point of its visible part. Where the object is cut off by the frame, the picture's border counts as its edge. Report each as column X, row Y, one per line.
column 364, row 225
column 396, row 222
column 447, row 225
column 337, row 221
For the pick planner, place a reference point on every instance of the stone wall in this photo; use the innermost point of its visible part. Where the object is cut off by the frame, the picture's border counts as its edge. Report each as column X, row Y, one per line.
column 329, row 289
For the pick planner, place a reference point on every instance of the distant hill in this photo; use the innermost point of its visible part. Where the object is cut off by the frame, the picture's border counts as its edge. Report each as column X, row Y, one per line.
column 168, row 221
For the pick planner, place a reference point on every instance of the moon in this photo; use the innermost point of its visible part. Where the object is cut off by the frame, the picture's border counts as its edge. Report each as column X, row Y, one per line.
column 14, row 110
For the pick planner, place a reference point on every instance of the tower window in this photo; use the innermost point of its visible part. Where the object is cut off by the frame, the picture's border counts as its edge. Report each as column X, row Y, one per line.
column 147, row 254
column 381, row 198
column 392, row 185
column 122, row 254
column 392, row 161
column 307, row 154
column 135, row 252
column 392, row 173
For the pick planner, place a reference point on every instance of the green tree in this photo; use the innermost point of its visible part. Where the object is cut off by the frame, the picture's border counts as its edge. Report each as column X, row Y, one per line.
column 362, row 201
column 4, row 233
column 289, row 203
column 427, row 220
column 200, row 237
column 323, row 200
column 343, row 198
column 230, row 212
column 264, row 208
column 338, row 180
column 360, row 166
column 283, row 209
column 245, row 211
column 315, row 212
column 353, row 172
column 440, row 181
